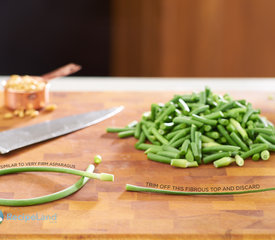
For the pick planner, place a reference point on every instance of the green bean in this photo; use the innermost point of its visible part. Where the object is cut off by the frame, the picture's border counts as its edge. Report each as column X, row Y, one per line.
column 183, row 105
column 145, row 146
column 214, row 135
column 187, row 120
column 180, row 134
column 193, row 129
column 170, row 135
column 233, row 112
column 254, row 150
column 210, row 144
column 132, row 124
column 188, row 98
column 97, row 159
column 256, row 157
column 116, row 130
column 239, row 128
column 165, row 113
column 185, row 146
column 154, row 108
column 263, row 130
column 168, row 154
column 223, row 121
column 239, row 141
column 271, row 147
column 224, row 133
column 195, row 151
column 247, row 115
column 175, row 98
column 239, row 160
column 199, row 145
column 162, row 139
column 238, row 104
column 215, row 156
column 265, row 155
column 148, row 136
column 226, row 106
column 183, row 163
column 179, row 126
column 167, row 125
column 206, row 139
column 202, row 97
column 179, row 142
column 210, row 101
column 231, row 128
column 177, row 112
column 207, row 128
column 254, row 117
column 158, row 158
column 223, row 162
column 147, row 123
column 199, row 109
column 146, row 116
column 265, row 121
column 128, row 133
column 138, row 130
column 142, row 138
column 152, row 150
column 189, row 155
column 226, row 148
column 223, row 140
column 271, row 139
column 204, row 120
column 170, row 149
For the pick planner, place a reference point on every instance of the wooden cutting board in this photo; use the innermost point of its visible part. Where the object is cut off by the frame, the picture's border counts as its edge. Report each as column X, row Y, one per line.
column 105, row 210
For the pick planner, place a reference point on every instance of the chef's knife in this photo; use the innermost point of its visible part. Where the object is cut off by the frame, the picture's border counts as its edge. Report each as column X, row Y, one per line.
column 21, row 137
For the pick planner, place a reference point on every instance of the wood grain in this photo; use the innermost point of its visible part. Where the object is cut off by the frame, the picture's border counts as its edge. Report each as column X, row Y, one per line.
column 194, row 38
column 104, row 210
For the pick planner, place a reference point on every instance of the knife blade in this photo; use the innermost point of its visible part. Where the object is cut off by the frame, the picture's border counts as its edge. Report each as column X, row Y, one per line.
column 21, row 137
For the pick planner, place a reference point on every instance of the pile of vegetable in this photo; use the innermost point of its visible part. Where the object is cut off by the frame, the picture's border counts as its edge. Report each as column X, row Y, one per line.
column 202, row 128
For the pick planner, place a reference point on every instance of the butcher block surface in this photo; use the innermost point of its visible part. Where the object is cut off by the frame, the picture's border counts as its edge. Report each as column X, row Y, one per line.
column 104, row 210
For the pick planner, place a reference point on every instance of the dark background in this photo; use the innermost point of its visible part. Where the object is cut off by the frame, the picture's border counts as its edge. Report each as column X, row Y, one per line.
column 37, row 36
column 151, row 38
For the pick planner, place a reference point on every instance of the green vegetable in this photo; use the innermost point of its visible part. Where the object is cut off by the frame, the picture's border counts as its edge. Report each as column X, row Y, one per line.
column 158, row 158
column 86, row 175
column 215, row 156
column 265, row 155
column 116, row 130
column 127, row 133
column 183, row 163
column 202, row 127
column 134, row 188
column 223, row 162
column 239, row 160
column 97, row 159
column 256, row 157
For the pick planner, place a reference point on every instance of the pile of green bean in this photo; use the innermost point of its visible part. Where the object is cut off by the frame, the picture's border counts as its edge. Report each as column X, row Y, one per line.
column 202, row 128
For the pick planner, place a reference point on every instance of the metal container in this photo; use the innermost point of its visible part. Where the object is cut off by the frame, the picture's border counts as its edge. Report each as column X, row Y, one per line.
column 37, row 99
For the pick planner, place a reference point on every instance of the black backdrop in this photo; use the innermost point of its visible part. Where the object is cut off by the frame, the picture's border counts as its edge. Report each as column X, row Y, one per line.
column 37, row 36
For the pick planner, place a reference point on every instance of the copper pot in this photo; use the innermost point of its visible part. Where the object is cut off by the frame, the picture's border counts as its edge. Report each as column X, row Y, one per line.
column 37, row 99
